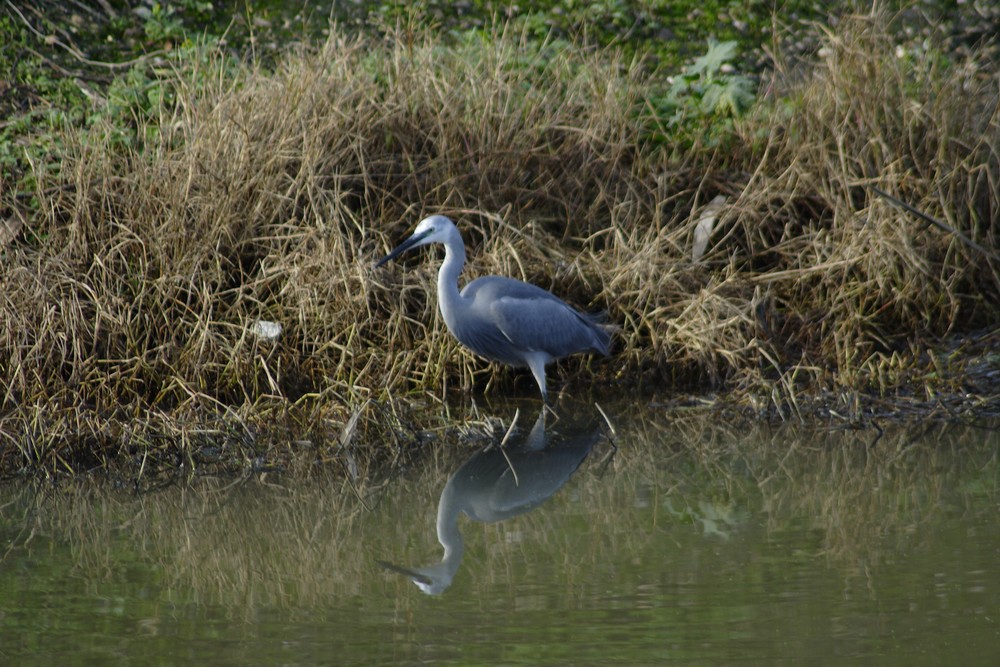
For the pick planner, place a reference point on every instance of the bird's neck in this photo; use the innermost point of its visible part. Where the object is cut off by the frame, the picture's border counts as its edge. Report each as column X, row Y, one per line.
column 450, row 300
column 447, row 525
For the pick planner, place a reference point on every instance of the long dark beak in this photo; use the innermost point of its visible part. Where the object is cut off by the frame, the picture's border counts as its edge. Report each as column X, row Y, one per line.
column 412, row 574
column 401, row 248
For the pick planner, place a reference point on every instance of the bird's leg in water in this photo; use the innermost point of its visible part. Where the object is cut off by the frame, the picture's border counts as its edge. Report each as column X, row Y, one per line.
column 611, row 435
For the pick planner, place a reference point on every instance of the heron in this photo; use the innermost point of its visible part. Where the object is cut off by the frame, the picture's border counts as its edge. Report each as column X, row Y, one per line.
column 503, row 319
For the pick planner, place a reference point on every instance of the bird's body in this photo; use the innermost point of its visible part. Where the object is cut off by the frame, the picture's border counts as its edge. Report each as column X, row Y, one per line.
column 504, row 319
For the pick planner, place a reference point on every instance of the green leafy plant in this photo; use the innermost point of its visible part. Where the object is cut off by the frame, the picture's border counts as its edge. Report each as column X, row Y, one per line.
column 163, row 23
column 702, row 101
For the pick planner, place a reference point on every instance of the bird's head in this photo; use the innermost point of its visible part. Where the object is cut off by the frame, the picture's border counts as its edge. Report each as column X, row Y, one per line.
column 433, row 229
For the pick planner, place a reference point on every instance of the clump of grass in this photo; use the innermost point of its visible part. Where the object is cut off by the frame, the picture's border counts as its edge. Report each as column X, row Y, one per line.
column 859, row 278
column 247, row 194
column 810, row 278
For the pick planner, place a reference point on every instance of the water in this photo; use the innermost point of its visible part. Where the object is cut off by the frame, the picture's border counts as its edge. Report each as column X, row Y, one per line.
column 696, row 542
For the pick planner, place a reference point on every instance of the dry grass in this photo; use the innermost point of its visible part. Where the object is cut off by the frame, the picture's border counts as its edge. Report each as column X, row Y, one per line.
column 876, row 276
column 135, row 284
column 811, row 278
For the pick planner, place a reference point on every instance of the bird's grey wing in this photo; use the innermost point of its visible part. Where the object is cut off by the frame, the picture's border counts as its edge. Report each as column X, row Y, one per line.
column 490, row 288
column 542, row 323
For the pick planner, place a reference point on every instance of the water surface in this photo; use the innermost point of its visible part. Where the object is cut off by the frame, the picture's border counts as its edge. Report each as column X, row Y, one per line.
column 696, row 542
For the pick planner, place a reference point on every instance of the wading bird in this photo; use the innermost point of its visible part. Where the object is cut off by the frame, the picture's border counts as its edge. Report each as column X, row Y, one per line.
column 503, row 319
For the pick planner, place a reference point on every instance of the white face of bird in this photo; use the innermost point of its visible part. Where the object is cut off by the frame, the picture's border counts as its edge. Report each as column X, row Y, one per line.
column 433, row 229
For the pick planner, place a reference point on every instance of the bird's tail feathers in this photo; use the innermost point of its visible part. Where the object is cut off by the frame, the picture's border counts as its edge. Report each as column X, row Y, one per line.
column 602, row 328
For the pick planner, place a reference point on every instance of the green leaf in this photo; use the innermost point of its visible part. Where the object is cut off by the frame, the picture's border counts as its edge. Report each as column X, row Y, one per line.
column 710, row 63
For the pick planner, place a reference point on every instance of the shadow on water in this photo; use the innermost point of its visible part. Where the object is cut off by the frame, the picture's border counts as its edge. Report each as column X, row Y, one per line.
column 502, row 481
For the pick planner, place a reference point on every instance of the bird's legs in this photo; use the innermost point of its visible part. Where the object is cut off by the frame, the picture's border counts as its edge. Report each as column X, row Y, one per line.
column 536, row 362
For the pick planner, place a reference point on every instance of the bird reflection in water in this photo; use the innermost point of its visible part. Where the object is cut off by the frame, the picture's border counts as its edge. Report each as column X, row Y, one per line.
column 498, row 483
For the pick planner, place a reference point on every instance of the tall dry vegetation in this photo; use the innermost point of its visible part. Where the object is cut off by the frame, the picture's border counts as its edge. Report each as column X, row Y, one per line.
column 137, row 281
column 859, row 286
column 267, row 196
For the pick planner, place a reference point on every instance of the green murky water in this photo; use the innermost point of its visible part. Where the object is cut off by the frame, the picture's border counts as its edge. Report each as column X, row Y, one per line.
column 695, row 542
